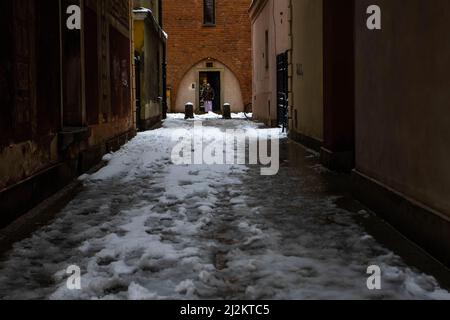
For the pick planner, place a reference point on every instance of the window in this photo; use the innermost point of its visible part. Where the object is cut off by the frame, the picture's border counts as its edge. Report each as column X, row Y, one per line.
column 209, row 12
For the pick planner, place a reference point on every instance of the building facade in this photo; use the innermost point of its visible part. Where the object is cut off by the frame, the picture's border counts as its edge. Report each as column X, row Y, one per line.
column 272, row 44
column 65, row 95
column 208, row 40
column 356, row 98
column 150, row 68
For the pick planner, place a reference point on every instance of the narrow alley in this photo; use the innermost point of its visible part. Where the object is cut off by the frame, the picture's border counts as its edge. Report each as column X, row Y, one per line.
column 144, row 228
column 224, row 150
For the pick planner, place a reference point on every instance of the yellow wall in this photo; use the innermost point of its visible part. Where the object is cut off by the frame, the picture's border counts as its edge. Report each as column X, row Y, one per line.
column 307, row 37
column 148, row 45
column 139, row 32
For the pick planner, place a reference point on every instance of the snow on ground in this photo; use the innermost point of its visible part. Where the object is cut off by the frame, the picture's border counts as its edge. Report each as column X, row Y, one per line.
column 210, row 116
column 143, row 228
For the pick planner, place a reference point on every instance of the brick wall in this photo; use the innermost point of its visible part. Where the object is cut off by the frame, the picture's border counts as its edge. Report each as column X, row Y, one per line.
column 229, row 41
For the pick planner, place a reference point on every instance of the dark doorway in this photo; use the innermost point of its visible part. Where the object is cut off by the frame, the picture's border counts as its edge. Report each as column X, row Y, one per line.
column 213, row 78
column 282, row 90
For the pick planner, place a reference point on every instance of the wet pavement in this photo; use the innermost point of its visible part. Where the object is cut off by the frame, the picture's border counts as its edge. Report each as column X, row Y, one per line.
column 144, row 228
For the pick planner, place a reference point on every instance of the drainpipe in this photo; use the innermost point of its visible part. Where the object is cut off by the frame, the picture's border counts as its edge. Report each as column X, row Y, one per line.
column 164, row 65
column 164, row 75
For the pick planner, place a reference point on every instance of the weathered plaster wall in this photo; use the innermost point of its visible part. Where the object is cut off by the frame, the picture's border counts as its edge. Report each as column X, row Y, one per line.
column 402, row 99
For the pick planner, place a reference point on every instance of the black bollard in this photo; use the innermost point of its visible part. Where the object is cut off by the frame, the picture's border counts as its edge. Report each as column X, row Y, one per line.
column 189, row 111
column 227, row 111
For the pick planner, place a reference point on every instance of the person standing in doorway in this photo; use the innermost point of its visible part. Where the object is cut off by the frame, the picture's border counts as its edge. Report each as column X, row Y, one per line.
column 208, row 97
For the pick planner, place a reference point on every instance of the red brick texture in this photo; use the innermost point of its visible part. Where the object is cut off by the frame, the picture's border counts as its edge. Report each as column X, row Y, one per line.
column 190, row 42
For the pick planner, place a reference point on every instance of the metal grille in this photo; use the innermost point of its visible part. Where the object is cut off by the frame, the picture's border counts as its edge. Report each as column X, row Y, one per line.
column 283, row 90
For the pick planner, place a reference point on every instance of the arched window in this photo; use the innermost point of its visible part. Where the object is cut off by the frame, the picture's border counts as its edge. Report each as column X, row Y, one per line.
column 209, row 12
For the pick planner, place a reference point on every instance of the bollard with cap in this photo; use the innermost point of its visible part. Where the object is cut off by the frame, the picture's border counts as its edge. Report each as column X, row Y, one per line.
column 189, row 111
column 227, row 111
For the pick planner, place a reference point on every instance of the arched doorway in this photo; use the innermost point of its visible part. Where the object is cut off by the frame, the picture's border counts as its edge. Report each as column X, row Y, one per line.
column 212, row 78
column 222, row 79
